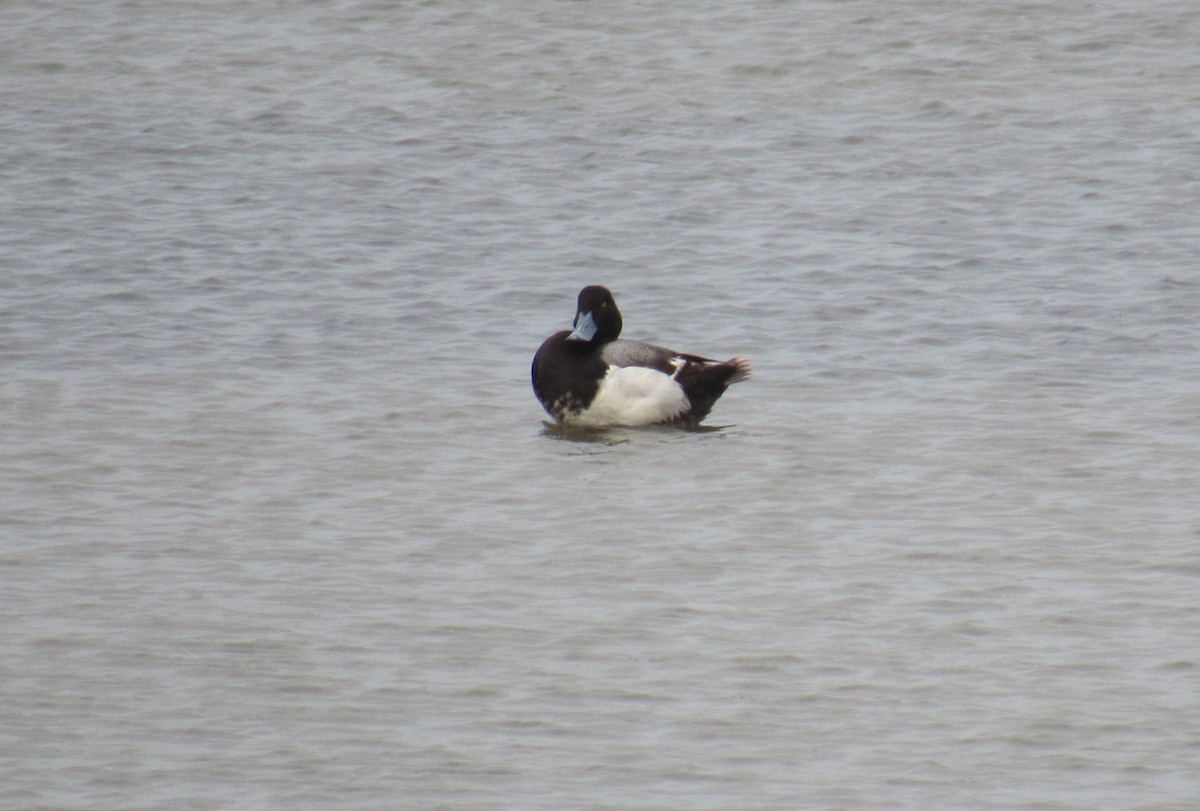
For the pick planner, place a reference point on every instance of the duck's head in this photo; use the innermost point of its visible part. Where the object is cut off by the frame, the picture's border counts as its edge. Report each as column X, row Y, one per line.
column 597, row 319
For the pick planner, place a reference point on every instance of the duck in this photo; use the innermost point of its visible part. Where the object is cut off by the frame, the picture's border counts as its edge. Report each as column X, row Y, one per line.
column 590, row 376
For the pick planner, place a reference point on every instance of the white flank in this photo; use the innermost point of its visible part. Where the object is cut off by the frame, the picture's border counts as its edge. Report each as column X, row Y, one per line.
column 634, row 395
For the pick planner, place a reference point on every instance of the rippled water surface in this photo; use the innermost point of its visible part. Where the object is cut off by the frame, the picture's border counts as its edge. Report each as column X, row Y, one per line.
column 282, row 525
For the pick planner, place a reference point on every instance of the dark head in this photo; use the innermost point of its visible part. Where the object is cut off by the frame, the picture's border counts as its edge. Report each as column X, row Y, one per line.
column 597, row 319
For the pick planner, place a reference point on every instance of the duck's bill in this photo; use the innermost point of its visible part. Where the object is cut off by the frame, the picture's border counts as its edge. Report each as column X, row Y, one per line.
column 585, row 328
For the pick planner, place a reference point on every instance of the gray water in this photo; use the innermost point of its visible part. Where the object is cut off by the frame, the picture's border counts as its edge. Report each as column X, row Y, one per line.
column 282, row 525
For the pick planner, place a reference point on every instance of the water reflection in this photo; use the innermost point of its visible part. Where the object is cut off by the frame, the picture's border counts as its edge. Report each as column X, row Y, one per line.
column 621, row 435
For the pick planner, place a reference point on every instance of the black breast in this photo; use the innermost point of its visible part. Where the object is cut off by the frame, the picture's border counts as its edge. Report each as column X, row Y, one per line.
column 566, row 374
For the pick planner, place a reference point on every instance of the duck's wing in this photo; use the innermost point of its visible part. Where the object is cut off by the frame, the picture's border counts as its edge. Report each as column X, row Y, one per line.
column 636, row 353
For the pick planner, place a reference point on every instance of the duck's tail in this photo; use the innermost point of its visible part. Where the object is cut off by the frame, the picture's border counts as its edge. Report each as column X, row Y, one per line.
column 741, row 370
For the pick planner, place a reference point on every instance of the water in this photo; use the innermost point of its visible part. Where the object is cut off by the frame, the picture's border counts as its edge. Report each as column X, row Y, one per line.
column 282, row 526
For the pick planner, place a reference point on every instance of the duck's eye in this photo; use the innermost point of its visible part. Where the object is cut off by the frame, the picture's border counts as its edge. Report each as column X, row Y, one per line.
column 603, row 304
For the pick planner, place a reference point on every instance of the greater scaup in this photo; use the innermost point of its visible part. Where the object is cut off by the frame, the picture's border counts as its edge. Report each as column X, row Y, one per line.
column 586, row 376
